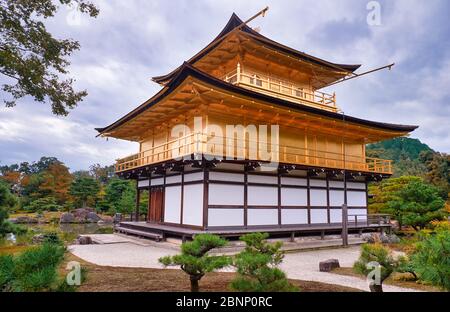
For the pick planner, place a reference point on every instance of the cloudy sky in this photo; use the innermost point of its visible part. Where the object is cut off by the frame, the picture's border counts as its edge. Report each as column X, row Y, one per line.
column 131, row 41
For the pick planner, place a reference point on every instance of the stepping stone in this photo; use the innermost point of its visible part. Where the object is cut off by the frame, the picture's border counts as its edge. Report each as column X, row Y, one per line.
column 328, row 265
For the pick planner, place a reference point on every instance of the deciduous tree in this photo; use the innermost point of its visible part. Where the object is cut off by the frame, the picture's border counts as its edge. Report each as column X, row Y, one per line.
column 34, row 62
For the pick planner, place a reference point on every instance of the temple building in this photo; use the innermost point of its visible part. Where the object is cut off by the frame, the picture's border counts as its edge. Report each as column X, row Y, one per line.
column 241, row 138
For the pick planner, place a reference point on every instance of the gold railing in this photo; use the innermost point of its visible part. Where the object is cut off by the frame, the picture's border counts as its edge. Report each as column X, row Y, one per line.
column 280, row 88
column 235, row 148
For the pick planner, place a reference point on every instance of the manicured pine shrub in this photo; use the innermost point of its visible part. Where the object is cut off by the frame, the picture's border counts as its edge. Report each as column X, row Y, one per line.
column 194, row 259
column 376, row 257
column 257, row 266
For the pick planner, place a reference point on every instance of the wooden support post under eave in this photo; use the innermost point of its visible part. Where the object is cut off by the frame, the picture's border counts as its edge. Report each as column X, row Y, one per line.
column 138, row 199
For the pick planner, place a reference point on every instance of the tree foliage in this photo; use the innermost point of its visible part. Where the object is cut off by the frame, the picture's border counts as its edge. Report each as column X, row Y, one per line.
column 257, row 266
column 7, row 201
column 84, row 191
column 194, row 259
column 385, row 191
column 431, row 259
column 32, row 59
column 417, row 204
column 121, row 195
column 376, row 258
column 56, row 181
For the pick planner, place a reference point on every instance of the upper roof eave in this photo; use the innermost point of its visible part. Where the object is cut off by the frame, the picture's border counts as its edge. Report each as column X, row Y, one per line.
column 187, row 70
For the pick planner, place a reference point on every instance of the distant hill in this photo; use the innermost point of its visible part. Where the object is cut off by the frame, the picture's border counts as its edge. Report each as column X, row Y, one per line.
column 398, row 149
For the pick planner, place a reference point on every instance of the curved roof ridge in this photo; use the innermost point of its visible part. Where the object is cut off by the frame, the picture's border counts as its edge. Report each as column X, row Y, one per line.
column 234, row 22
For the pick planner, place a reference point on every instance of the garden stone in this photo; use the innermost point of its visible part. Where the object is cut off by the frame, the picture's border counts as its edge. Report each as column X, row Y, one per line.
column 26, row 219
column 389, row 239
column 329, row 265
column 84, row 240
column 370, row 238
column 67, row 217
column 38, row 238
column 92, row 217
column 106, row 220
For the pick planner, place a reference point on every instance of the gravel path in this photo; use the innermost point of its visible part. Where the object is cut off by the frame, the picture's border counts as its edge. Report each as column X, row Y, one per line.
column 301, row 265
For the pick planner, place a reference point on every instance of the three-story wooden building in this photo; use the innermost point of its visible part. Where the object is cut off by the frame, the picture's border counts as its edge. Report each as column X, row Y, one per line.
column 205, row 167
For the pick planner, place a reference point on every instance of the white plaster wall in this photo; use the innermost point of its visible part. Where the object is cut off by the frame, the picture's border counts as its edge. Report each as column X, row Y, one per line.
column 321, row 183
column 193, row 204
column 252, row 178
column 319, row 216
column 196, row 176
column 262, row 216
column 225, row 176
column 157, row 181
column 173, row 179
column 318, row 198
column 262, row 195
column 224, row 194
column 293, row 181
column 336, row 215
column 294, row 197
column 172, row 204
column 356, row 199
column 336, row 184
column 294, row 216
column 225, row 217
column 336, row 198
column 356, row 185
column 143, row 183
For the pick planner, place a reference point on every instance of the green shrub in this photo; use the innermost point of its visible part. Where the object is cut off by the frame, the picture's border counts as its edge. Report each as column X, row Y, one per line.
column 52, row 238
column 33, row 270
column 43, row 204
column 194, row 259
column 257, row 266
column 7, row 202
column 6, row 271
column 431, row 259
column 376, row 257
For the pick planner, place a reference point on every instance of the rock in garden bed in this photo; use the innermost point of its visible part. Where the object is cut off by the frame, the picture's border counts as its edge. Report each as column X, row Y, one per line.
column 81, row 215
column 329, row 265
column 372, row 238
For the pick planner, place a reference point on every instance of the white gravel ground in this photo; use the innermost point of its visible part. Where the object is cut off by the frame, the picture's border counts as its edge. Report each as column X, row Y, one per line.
column 300, row 265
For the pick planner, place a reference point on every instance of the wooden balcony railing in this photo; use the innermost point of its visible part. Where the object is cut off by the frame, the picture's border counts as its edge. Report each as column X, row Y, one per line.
column 219, row 147
column 280, row 88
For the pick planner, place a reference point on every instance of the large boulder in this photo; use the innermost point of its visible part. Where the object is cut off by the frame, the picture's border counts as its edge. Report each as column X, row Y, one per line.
column 67, row 217
column 92, row 217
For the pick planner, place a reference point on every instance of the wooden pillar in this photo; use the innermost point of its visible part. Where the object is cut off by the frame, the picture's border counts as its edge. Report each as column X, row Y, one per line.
column 308, row 198
column 205, row 197
column 245, row 196
column 182, row 196
column 138, row 199
column 279, row 199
